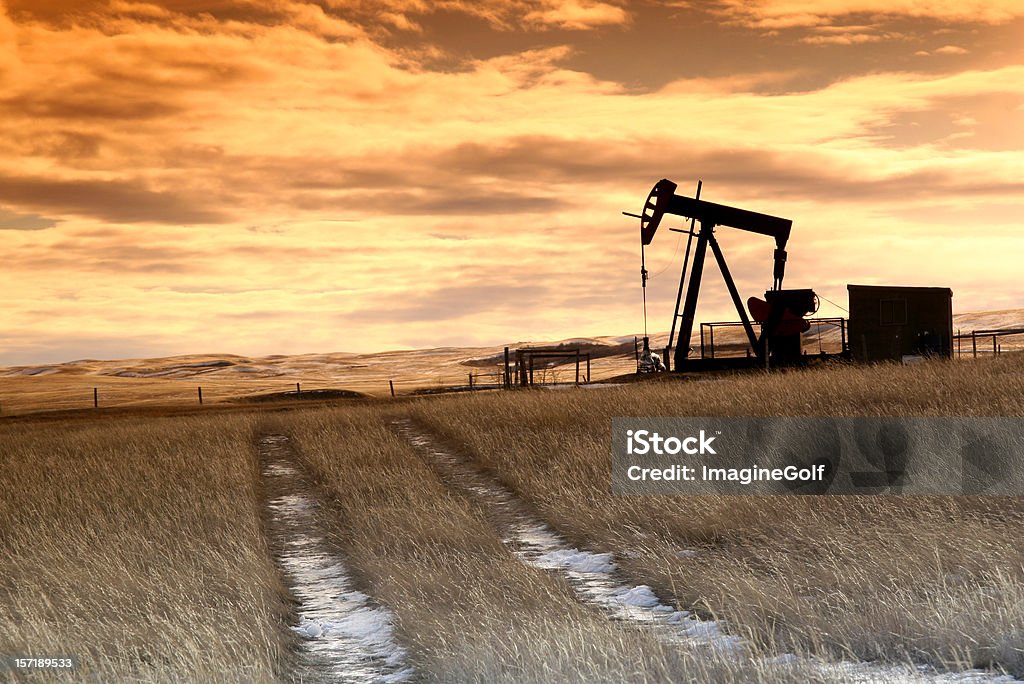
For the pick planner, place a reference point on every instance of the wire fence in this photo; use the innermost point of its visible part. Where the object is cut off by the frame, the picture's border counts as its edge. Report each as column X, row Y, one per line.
column 26, row 395
column 100, row 393
column 988, row 342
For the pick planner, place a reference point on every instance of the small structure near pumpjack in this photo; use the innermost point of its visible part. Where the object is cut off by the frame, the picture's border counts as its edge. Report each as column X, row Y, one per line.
column 531, row 359
column 890, row 323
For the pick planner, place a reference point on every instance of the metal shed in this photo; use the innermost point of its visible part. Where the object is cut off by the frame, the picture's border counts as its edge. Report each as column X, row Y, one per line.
column 888, row 322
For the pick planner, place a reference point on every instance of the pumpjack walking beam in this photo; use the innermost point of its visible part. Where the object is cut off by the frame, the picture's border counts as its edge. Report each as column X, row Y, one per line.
column 663, row 200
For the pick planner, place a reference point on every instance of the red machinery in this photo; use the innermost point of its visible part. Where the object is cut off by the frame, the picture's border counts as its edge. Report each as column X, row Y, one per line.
column 781, row 314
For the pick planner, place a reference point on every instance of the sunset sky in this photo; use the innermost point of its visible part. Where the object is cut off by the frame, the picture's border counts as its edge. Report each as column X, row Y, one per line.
column 295, row 176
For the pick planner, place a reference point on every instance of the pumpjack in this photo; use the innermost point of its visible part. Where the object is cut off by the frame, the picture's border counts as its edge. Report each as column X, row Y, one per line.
column 781, row 314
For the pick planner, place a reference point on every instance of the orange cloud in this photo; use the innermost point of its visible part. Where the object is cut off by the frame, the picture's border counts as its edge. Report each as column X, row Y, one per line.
column 172, row 169
column 790, row 13
column 573, row 14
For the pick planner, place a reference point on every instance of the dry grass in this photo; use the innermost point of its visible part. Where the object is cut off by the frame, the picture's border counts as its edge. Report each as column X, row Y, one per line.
column 937, row 580
column 467, row 609
column 137, row 543
column 138, row 547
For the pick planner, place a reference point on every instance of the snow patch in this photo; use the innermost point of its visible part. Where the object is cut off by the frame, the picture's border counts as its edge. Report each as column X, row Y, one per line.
column 641, row 596
column 593, row 577
column 577, row 561
column 31, row 372
column 343, row 630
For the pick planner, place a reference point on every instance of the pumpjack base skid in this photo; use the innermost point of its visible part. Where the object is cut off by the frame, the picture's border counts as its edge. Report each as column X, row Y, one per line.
column 701, row 365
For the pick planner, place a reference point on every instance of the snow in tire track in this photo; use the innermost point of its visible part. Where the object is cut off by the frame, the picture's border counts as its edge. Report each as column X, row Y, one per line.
column 345, row 635
column 594, row 578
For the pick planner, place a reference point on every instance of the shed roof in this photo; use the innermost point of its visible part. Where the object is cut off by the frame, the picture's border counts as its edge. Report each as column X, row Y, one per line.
column 898, row 288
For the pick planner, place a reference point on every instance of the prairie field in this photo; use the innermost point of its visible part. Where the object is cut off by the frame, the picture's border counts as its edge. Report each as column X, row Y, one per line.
column 137, row 546
column 231, row 378
column 143, row 541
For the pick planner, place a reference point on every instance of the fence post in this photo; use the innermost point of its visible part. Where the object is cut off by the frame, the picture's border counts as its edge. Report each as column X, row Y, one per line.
column 577, row 366
column 200, row 396
column 95, row 397
column 298, row 388
column 588, row 368
column 508, row 373
column 470, row 381
column 391, row 384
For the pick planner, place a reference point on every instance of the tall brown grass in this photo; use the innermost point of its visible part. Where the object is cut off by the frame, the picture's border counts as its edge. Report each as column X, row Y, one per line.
column 136, row 542
column 138, row 547
column 466, row 607
column 937, row 580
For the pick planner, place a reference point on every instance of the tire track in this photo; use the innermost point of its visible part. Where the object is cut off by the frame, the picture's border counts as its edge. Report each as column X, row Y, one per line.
column 345, row 635
column 594, row 578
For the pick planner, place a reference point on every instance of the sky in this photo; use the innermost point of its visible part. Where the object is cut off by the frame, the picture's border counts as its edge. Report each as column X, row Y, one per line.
column 292, row 176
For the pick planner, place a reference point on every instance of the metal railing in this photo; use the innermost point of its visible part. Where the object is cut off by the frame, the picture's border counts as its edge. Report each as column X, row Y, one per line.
column 996, row 335
column 707, row 337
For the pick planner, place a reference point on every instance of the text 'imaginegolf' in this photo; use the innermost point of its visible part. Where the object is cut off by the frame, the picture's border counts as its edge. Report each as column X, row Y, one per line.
column 742, row 455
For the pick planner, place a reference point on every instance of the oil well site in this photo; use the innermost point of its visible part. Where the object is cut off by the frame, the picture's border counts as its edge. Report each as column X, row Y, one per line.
column 899, row 323
column 444, row 515
column 511, row 341
column 776, row 329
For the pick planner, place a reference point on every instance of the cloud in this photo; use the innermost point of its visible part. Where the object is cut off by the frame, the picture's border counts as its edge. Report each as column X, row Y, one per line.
column 10, row 220
column 25, row 349
column 400, row 21
column 573, row 14
column 216, row 145
column 504, row 15
column 63, row 13
column 314, row 19
column 951, row 50
column 792, row 13
column 596, row 164
column 119, row 201
column 991, row 121
column 849, row 38
column 86, row 105
column 451, row 302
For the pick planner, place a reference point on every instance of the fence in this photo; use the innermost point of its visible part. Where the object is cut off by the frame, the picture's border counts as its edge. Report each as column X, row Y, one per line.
column 525, row 369
column 821, row 332
column 25, row 394
column 66, row 394
column 998, row 335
